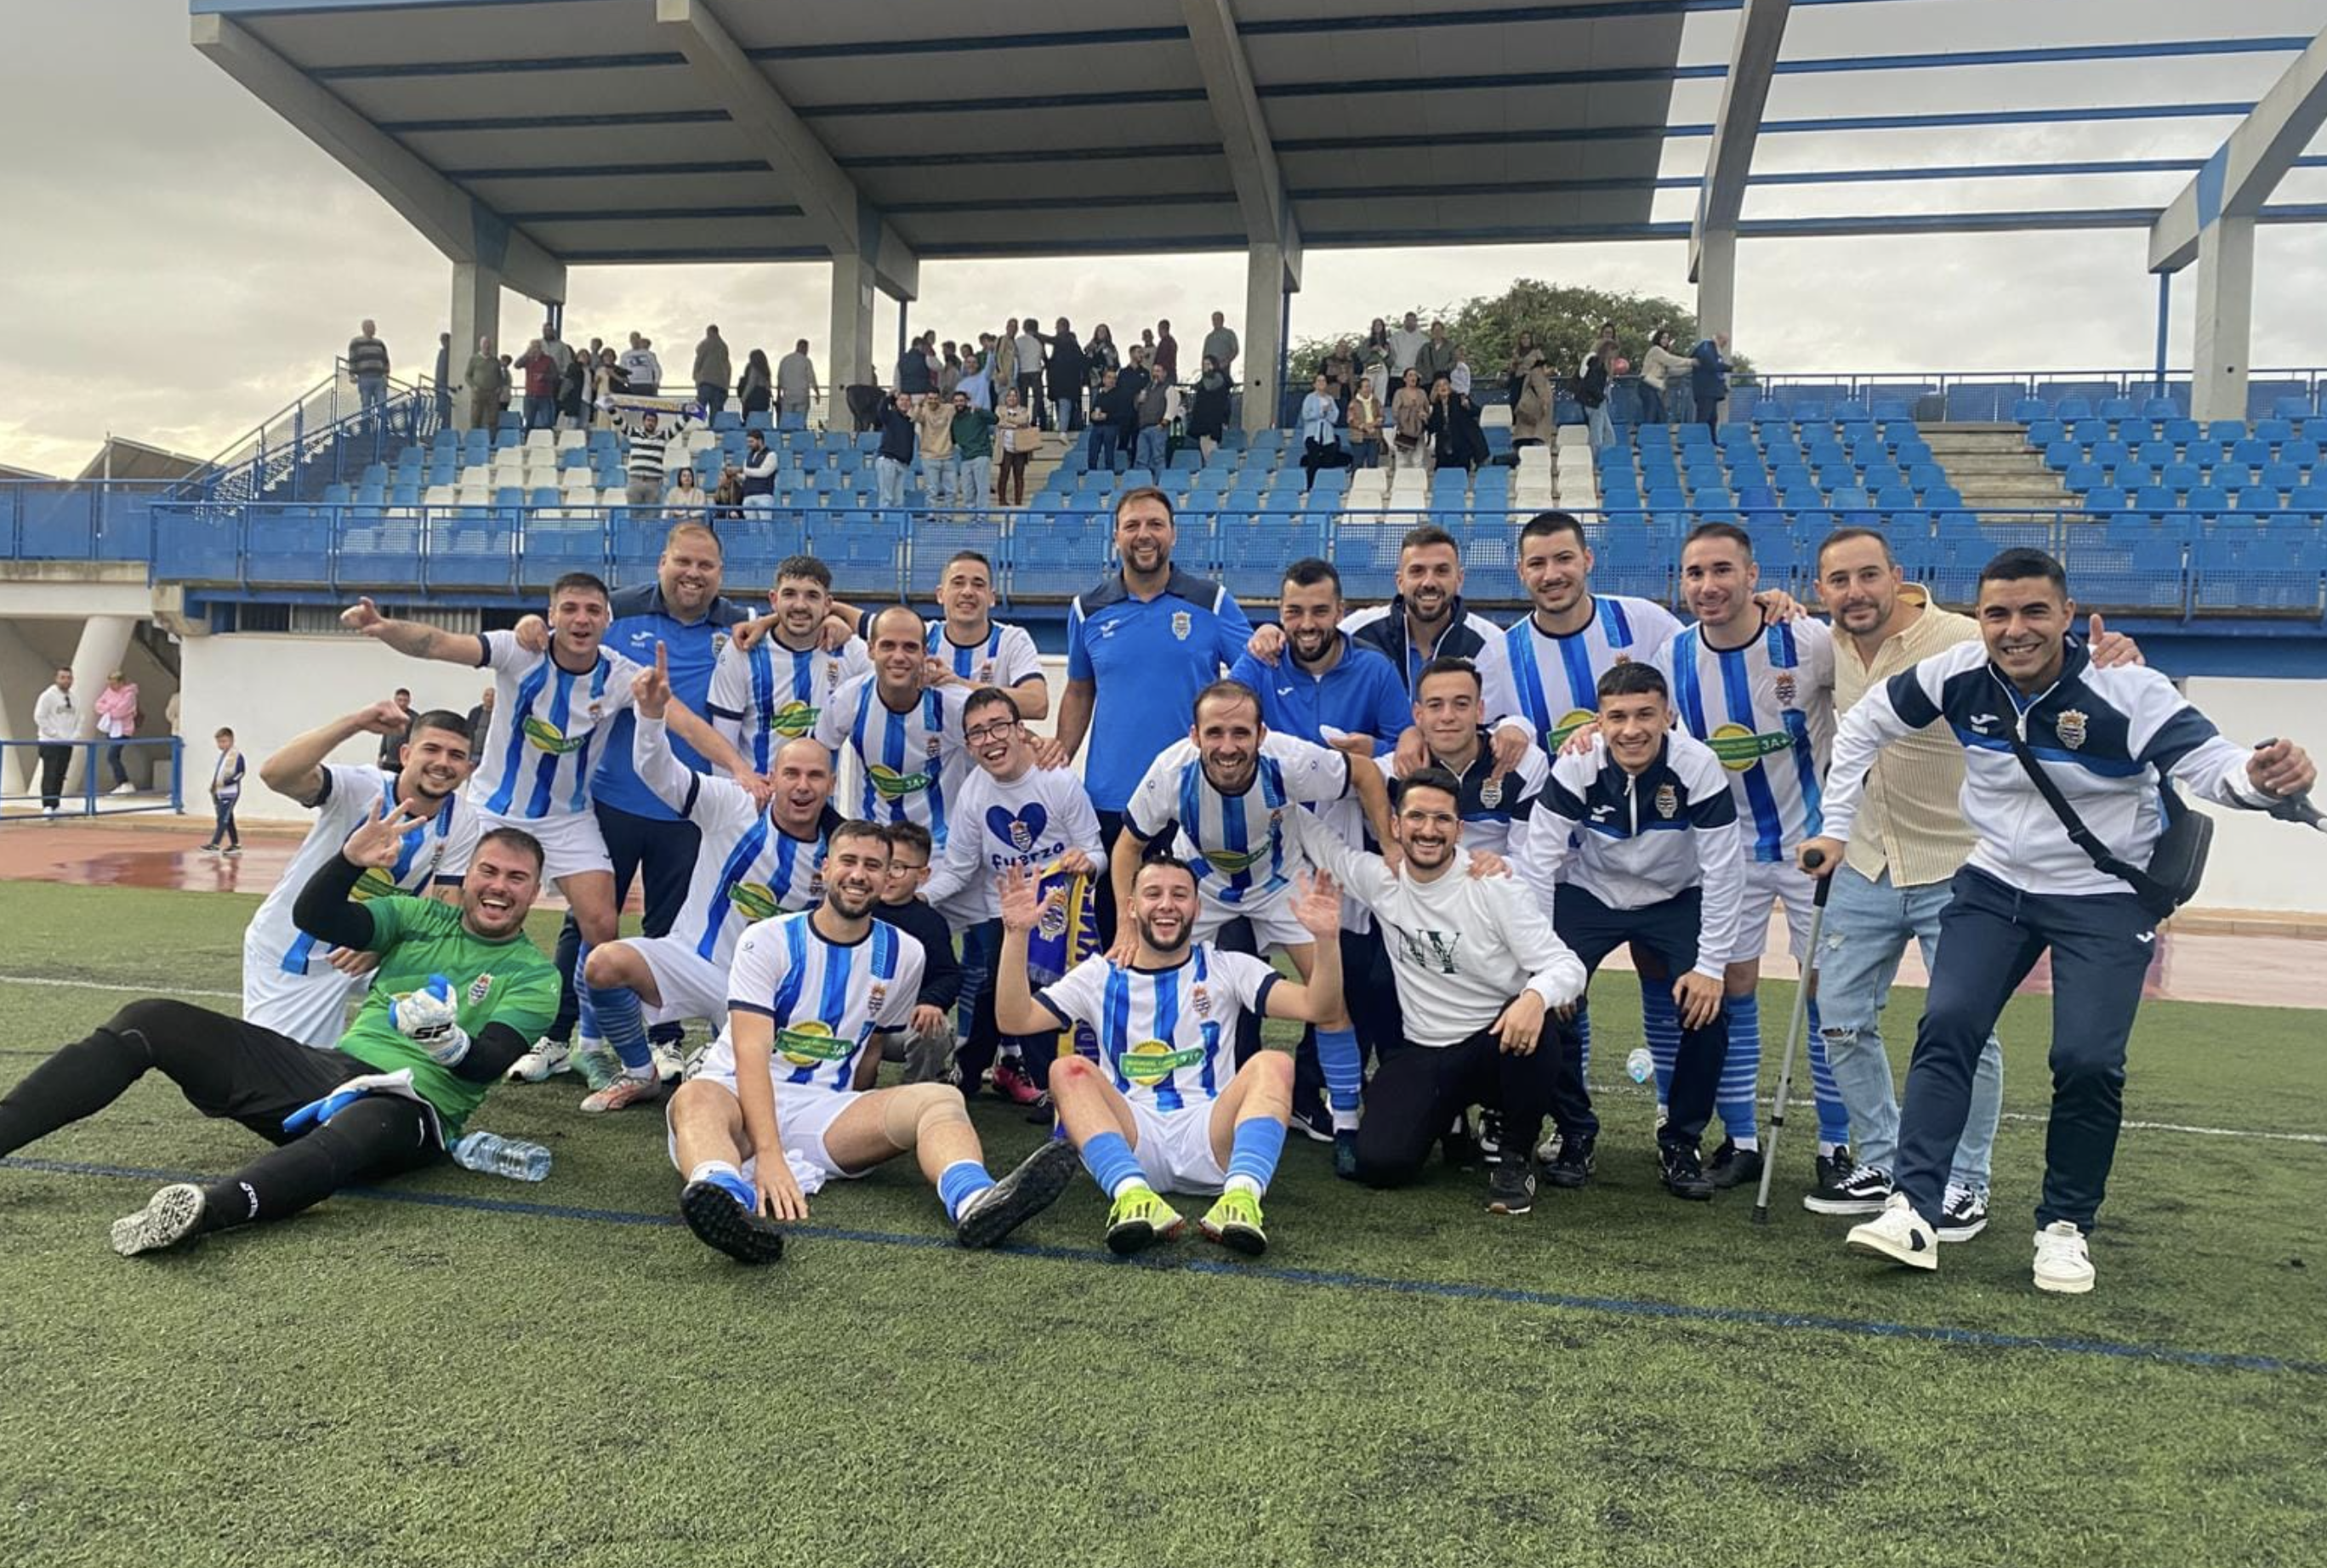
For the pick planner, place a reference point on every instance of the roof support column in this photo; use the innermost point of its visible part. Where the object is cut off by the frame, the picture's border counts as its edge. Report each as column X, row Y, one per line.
column 2225, row 319
column 1268, row 286
column 1716, row 282
column 476, row 320
column 1729, row 163
column 851, row 345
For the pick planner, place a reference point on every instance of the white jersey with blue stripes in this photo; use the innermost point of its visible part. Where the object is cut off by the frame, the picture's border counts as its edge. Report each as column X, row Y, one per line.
column 773, row 693
column 1238, row 846
column 904, row 767
column 1767, row 711
column 1558, row 675
column 827, row 999
column 1165, row 1036
column 543, row 742
column 747, row 868
column 437, row 850
column 1002, row 657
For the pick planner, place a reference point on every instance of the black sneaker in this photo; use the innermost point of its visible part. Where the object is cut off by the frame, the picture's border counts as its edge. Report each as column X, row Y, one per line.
column 1962, row 1216
column 1846, row 1186
column 1460, row 1148
column 1571, row 1165
column 1684, row 1171
column 1345, row 1155
column 1491, row 1137
column 1018, row 1197
column 1313, row 1121
column 1511, row 1187
column 1735, row 1167
column 720, row 1220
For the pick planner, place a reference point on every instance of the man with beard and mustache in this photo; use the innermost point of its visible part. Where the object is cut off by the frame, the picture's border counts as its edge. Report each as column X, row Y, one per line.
column 901, row 734
column 1478, row 969
column 1228, row 795
column 784, row 1101
column 291, row 983
column 1164, row 1108
column 754, row 864
column 461, row 994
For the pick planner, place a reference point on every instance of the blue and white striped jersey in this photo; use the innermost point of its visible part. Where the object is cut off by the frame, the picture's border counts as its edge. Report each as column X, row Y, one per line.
column 1003, row 658
column 773, row 694
column 827, row 999
column 1238, row 847
column 437, row 851
column 747, row 868
column 1558, row 676
column 1767, row 710
column 538, row 759
column 1165, row 1036
column 907, row 766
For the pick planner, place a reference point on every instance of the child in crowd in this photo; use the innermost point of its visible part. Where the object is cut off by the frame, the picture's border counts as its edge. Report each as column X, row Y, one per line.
column 226, row 788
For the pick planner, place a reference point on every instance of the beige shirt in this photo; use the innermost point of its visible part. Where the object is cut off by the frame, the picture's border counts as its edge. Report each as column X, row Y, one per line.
column 1911, row 820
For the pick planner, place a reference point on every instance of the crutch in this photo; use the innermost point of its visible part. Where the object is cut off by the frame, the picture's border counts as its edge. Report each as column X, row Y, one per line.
column 2296, row 808
column 1811, row 862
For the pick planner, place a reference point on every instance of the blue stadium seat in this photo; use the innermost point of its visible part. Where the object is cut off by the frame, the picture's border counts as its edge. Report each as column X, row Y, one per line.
column 2282, row 477
column 2230, row 476
column 2250, row 451
column 2208, row 499
column 2274, row 431
column 2181, row 432
column 2043, row 433
column 2073, row 407
column 2109, row 453
column 2133, row 476
column 2104, row 498
column 2226, row 431
column 2180, row 476
column 2081, row 477
column 2059, row 455
column 2156, row 407
column 2086, row 431
column 2027, row 410
column 2116, row 408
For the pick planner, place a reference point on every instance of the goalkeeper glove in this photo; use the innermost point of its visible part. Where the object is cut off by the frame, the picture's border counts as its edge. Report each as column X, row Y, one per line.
column 428, row 1019
column 315, row 1112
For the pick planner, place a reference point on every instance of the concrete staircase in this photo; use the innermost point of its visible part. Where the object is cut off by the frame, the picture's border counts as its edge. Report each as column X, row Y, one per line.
column 1992, row 467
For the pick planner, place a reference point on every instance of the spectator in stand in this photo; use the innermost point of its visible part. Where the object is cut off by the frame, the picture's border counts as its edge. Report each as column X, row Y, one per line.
column 483, row 382
column 796, row 386
column 540, row 368
column 555, row 346
column 644, row 464
column 1207, row 411
column 1410, row 423
column 504, row 384
column 1524, row 357
column 641, row 371
column 1028, row 358
column 1373, row 359
column 1018, row 437
column 391, row 745
column 688, row 495
column 1659, row 369
column 714, row 367
column 1063, row 377
column 1321, row 441
column 573, row 391
column 1456, row 438
column 759, row 476
column 1437, row 357
column 1111, row 418
column 1365, row 421
column 1460, row 377
column 57, row 723
column 976, row 381
column 482, row 715
column 1709, row 378
column 444, row 379
column 1340, row 369
column 948, row 372
column 973, row 449
column 866, row 401
column 1166, row 358
column 913, row 371
column 896, row 458
column 368, row 364
column 1001, row 364
column 116, row 721
column 727, row 500
column 1592, row 396
column 1405, row 349
column 605, row 382
column 1221, row 347
column 1147, row 345
column 755, row 388
column 1151, row 413
column 933, row 421
column 1099, row 357
column 1134, row 377
column 1535, row 410
column 226, row 789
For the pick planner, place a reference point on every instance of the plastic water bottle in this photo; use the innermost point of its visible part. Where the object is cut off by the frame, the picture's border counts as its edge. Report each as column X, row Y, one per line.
column 1641, row 1064
column 499, row 1156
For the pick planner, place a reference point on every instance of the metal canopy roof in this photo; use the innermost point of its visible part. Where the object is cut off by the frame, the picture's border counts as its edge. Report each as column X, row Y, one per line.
column 1014, row 127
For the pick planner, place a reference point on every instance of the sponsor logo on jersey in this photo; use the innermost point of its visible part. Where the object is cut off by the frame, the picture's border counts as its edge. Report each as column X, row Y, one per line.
column 478, row 989
column 1182, row 623
column 756, row 900
column 1151, row 1061
column 2069, row 726
column 546, row 736
column 1739, row 748
column 811, row 1044
column 891, row 785
column 1566, row 725
column 1667, row 801
column 793, row 719
column 375, row 884
column 1232, row 861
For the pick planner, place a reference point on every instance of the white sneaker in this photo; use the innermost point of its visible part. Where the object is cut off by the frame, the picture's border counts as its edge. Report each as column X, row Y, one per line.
column 2063, row 1265
column 171, row 1217
column 1899, row 1234
column 545, row 1061
column 124, row 789
column 669, row 1066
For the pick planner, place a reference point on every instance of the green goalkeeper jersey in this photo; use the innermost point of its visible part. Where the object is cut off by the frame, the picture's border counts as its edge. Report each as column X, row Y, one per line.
column 507, row 982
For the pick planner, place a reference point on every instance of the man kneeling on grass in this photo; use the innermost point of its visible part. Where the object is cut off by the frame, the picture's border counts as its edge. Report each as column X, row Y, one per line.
column 790, row 1077
column 1164, row 1107
column 460, row 994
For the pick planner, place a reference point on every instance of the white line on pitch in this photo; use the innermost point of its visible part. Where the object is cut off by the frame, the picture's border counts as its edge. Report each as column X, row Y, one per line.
column 1795, row 1107
column 51, row 980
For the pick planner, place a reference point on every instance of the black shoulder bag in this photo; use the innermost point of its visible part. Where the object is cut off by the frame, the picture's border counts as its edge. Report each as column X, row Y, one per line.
column 2177, row 863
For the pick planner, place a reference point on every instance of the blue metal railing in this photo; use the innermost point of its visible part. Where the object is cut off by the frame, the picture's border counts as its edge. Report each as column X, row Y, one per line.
column 93, row 796
column 2177, row 564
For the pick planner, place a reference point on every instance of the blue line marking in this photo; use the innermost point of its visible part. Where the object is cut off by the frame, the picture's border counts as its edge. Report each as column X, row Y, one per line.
column 1332, row 1279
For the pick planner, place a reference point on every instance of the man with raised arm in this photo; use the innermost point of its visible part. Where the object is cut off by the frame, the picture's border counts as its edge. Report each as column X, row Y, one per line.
column 785, row 1102
column 460, row 994
column 1166, row 1108
column 291, row 983
column 534, row 769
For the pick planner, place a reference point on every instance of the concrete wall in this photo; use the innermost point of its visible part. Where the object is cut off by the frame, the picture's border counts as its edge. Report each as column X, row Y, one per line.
column 2259, row 863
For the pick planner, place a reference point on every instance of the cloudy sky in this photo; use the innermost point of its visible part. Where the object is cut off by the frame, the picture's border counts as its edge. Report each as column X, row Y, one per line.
column 180, row 263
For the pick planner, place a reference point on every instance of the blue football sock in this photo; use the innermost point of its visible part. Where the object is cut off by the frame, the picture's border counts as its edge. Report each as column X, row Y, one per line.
column 1259, row 1140
column 1833, row 1115
column 585, row 1020
column 1345, row 1074
column 1660, row 1022
column 960, row 1182
column 623, row 1023
column 1112, row 1164
column 1583, row 1024
column 1741, row 1073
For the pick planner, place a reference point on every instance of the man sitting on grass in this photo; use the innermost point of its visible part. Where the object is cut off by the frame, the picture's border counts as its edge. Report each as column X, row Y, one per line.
column 459, row 995
column 1165, row 1106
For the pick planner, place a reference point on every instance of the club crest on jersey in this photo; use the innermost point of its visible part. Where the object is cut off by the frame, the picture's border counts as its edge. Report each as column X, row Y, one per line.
column 478, row 989
column 876, row 997
column 1667, row 801
column 718, row 643
column 1491, row 793
column 1151, row 1061
column 793, row 720
column 891, row 785
column 2069, row 726
column 547, row 737
column 1021, row 837
column 936, row 746
column 1783, row 683
column 811, row 1044
column 1182, row 623
column 1201, row 999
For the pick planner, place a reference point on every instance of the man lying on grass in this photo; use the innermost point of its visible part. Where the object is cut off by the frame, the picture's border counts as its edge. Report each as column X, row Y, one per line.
column 459, row 994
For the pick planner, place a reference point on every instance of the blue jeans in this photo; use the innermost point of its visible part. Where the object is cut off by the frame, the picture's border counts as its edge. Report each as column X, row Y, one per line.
column 889, row 478
column 1602, row 425
column 1868, row 925
column 1653, row 405
column 1150, row 449
column 540, row 413
column 372, row 393
column 1101, row 446
column 1065, row 411
column 1681, row 403
column 972, row 482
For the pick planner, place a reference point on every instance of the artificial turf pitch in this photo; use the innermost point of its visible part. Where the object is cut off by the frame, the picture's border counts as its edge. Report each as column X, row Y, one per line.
column 466, row 1370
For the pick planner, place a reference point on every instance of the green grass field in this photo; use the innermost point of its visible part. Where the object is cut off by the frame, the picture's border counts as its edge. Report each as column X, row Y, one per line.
column 561, row 1375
